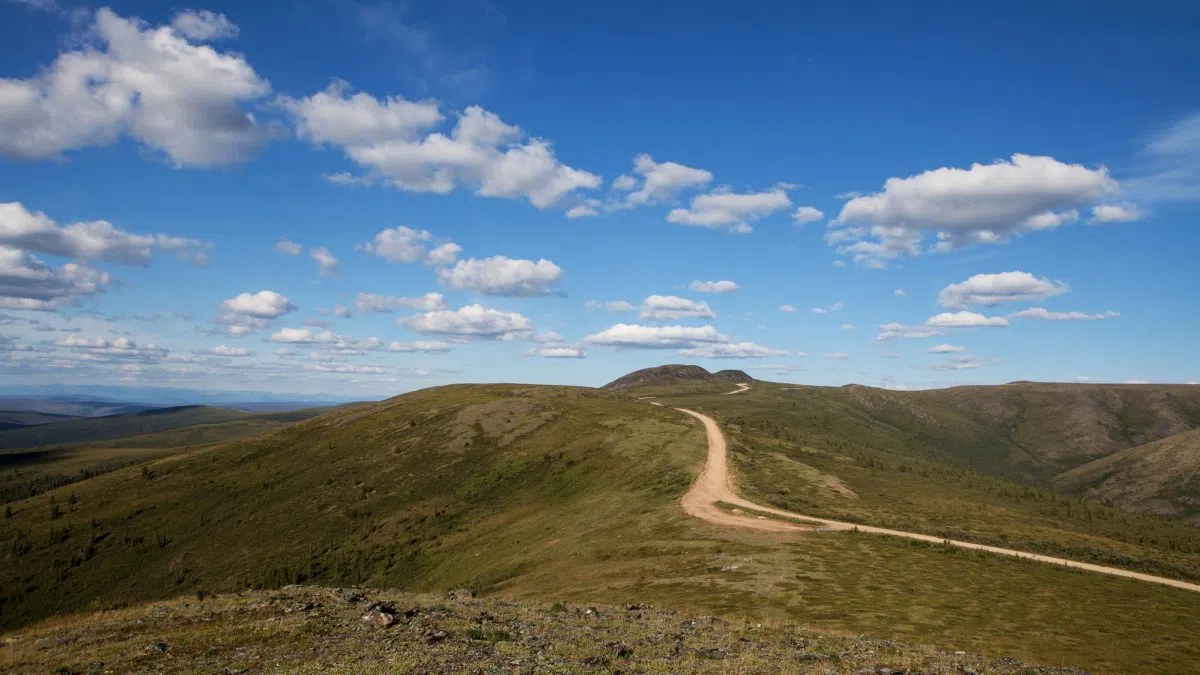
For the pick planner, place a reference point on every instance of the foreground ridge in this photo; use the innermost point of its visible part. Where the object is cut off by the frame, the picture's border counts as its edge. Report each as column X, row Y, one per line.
column 714, row 488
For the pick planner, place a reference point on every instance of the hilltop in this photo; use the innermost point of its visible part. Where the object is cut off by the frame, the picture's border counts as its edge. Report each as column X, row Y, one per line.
column 109, row 427
column 673, row 375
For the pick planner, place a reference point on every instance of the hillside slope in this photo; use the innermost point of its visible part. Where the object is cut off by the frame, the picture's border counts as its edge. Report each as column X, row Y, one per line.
column 1161, row 478
column 15, row 419
column 560, row 493
column 115, row 426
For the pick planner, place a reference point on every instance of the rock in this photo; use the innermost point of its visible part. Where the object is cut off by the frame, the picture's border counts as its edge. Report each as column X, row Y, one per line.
column 435, row 637
column 460, row 594
column 380, row 616
column 887, row 670
column 160, row 647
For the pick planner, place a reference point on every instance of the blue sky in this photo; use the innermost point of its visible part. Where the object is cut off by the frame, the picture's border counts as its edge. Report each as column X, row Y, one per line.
column 943, row 194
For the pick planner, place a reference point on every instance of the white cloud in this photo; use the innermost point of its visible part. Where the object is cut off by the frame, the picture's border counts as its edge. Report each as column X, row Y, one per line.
column 582, row 211
column 660, row 182
column 304, row 336
column 260, row 305
column 847, row 326
column 837, row 356
column 445, row 254
column 341, row 312
column 611, row 306
column 659, row 308
column 500, row 275
column 226, row 350
column 335, row 117
column 997, row 289
column 713, row 286
column 819, row 310
column 839, row 263
column 723, row 208
column 837, row 306
column 733, row 350
column 470, row 323
column 547, row 337
column 399, row 244
column 372, row 303
column 965, row 320
column 557, row 352
column 393, row 141
column 633, row 336
column 203, row 25
column 807, row 214
column 946, row 349
column 1116, row 213
column 153, row 83
column 93, row 240
column 327, row 264
column 429, row 347
column 121, row 347
column 899, row 293
column 985, row 204
column 898, row 331
column 288, row 247
column 28, row 283
column 1046, row 315
column 788, row 309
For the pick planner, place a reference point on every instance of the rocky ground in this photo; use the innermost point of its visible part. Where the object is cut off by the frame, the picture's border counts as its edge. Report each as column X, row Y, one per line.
column 311, row 629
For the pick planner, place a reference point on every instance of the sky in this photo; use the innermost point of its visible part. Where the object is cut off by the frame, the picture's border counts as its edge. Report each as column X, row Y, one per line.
column 362, row 199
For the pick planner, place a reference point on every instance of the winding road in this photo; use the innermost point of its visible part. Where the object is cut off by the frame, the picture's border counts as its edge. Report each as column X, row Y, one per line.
column 714, row 485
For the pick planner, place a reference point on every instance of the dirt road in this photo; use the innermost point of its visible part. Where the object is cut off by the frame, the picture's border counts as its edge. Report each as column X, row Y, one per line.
column 741, row 388
column 714, row 486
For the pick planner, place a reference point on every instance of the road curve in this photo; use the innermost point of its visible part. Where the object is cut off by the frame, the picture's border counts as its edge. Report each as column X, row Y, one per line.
column 714, row 486
column 741, row 388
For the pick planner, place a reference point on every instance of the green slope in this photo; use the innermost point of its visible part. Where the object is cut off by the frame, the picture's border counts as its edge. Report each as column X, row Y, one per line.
column 115, row 426
column 551, row 493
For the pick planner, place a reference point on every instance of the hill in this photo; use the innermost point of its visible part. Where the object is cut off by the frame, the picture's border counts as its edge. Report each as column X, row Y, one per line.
column 1161, row 478
column 73, row 407
column 15, row 419
column 427, row 634
column 674, row 375
column 115, row 426
column 561, row 493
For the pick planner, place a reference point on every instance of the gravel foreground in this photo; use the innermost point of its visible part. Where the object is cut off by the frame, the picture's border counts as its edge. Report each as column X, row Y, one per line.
column 304, row 629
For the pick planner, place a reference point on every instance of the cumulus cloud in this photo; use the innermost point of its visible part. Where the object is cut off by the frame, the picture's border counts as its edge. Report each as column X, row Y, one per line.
column 787, row 309
column 159, row 85
column 946, row 349
column 303, row 336
column 965, row 320
column 659, row 308
column 405, row 245
column 819, row 310
column 725, row 209
column 500, row 275
column 997, row 289
column 121, row 347
column 288, row 247
column 633, row 336
column 985, row 204
column 899, row 293
column 393, row 139
column 807, row 214
column 30, row 284
column 733, row 350
column 713, row 286
column 327, row 264
column 898, row 331
column 261, row 305
column 1042, row 314
column 660, row 182
column 847, row 326
column 472, row 322
column 249, row 312
column 557, row 352
column 611, row 306
column 93, row 240
column 373, row 303
column 1116, row 213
